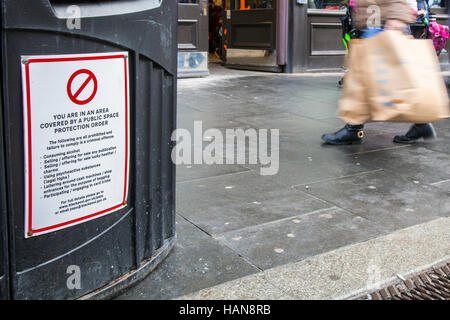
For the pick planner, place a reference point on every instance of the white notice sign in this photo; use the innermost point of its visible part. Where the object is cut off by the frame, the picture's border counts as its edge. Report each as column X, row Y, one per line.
column 76, row 132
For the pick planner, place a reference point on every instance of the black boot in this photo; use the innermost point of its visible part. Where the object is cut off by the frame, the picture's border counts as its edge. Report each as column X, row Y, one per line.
column 416, row 132
column 347, row 135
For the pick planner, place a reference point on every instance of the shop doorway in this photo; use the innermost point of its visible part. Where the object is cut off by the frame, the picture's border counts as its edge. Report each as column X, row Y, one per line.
column 250, row 40
column 242, row 34
column 217, row 31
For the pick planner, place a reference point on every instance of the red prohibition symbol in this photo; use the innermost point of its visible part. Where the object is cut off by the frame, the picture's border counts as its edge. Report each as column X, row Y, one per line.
column 74, row 95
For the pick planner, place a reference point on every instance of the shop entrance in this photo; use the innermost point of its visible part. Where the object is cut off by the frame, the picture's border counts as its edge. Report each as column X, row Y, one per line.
column 250, row 34
column 243, row 34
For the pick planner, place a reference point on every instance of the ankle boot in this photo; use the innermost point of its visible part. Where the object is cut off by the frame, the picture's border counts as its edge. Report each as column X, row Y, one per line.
column 416, row 132
column 349, row 134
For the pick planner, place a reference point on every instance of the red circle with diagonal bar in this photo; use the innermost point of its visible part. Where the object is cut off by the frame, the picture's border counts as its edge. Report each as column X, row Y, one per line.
column 74, row 95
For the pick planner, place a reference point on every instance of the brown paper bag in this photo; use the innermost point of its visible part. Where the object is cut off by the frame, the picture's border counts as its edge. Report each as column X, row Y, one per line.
column 353, row 105
column 403, row 80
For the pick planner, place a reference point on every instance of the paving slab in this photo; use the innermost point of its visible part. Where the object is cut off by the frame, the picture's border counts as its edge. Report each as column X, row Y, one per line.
column 442, row 143
column 388, row 199
column 196, row 172
column 235, row 201
column 227, row 104
column 350, row 271
column 300, row 92
column 197, row 262
column 290, row 240
column 304, row 134
column 304, row 166
column 303, row 157
column 415, row 163
column 187, row 117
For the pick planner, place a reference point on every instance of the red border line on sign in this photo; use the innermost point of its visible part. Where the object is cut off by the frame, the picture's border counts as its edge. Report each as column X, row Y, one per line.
column 30, row 203
column 126, row 132
column 30, row 194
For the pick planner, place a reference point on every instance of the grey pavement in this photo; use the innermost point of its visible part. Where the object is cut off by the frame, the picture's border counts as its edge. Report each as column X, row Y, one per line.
column 374, row 206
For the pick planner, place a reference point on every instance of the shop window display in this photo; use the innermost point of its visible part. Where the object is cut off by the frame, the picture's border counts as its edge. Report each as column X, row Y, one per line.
column 251, row 4
column 326, row 4
column 437, row 3
column 259, row 4
column 340, row 4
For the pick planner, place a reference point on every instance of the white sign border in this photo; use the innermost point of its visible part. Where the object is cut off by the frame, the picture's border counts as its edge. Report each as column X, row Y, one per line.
column 25, row 63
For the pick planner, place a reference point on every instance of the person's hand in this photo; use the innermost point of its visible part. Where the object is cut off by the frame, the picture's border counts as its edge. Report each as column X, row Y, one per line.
column 395, row 25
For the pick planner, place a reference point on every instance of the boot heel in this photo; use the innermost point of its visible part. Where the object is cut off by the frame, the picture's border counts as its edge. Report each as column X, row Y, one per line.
column 349, row 134
column 430, row 135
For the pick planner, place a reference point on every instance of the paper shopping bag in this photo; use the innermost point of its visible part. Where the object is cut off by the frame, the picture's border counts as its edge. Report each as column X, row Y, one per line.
column 404, row 79
column 353, row 104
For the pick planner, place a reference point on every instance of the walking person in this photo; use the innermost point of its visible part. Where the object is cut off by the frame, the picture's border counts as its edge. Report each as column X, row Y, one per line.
column 395, row 15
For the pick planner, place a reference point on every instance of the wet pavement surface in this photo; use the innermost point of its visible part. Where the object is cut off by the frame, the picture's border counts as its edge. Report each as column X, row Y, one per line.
column 233, row 222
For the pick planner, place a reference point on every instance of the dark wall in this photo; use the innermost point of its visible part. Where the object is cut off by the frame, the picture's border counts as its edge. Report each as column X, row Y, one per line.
column 325, row 49
column 315, row 39
column 297, row 38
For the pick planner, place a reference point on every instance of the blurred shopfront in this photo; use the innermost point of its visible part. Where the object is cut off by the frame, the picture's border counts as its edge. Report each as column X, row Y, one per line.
column 267, row 35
